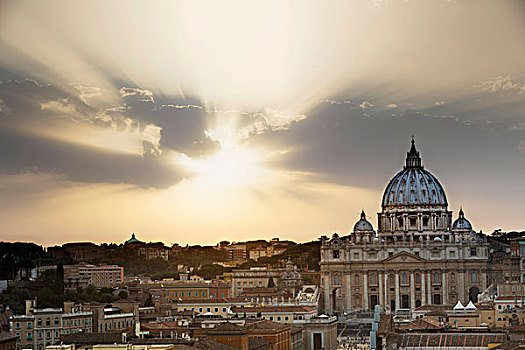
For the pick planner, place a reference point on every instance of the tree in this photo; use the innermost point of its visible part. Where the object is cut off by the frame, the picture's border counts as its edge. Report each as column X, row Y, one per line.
column 123, row 294
column 60, row 279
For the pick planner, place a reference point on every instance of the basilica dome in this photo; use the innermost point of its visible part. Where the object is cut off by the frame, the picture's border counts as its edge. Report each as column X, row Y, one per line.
column 363, row 224
column 461, row 223
column 414, row 185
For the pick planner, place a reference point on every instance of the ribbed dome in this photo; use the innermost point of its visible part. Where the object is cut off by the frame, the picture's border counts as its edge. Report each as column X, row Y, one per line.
column 461, row 223
column 363, row 224
column 414, row 185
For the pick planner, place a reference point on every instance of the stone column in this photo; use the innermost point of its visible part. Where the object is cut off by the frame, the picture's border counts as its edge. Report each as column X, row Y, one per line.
column 412, row 291
column 348, row 292
column 381, row 290
column 327, row 303
column 444, row 286
column 423, row 289
column 398, row 305
column 365, row 291
column 484, row 280
column 387, row 299
column 461, row 287
column 429, row 294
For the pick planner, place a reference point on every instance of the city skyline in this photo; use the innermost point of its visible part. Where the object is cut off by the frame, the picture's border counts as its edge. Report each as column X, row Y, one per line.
column 196, row 123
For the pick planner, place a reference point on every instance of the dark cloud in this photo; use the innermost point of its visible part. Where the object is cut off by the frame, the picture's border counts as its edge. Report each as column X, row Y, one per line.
column 28, row 108
column 339, row 143
column 22, row 152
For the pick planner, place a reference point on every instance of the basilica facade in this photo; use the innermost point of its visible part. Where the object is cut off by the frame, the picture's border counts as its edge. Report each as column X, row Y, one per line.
column 417, row 256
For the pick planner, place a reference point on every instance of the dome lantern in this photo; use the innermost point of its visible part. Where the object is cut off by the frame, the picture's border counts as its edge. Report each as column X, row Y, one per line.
column 413, row 160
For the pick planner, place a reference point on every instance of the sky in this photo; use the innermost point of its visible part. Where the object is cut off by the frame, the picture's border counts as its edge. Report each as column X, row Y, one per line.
column 192, row 122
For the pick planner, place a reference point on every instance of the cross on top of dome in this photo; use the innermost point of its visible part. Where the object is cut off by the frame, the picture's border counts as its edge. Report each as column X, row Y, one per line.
column 413, row 160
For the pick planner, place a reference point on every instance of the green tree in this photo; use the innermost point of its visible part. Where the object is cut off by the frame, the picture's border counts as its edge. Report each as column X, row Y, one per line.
column 60, row 279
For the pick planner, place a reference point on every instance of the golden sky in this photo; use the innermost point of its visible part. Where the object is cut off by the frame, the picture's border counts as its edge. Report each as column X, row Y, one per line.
column 198, row 121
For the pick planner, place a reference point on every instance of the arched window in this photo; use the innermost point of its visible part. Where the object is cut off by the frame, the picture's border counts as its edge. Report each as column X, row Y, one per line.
column 336, row 279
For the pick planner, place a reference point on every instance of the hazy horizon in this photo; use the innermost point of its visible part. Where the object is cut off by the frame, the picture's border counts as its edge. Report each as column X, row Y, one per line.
column 196, row 122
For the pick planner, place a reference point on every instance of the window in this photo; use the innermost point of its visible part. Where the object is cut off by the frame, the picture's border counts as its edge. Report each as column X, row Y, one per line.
column 335, row 254
column 286, row 318
column 436, row 277
column 473, row 277
column 56, row 321
column 356, row 279
column 404, row 278
column 356, row 255
column 413, row 222
column 452, row 254
column 418, row 278
column 189, row 294
column 271, row 318
column 278, row 318
column 28, row 336
column 216, row 309
column 453, row 277
column 373, row 278
column 336, row 278
column 48, row 322
column 425, row 221
column 17, row 325
column 473, row 252
column 29, row 325
column 203, row 294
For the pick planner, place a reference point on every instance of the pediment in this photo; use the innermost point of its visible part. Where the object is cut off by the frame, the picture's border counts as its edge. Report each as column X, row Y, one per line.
column 404, row 257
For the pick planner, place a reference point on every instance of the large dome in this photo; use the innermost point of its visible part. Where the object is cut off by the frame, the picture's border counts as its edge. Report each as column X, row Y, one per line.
column 414, row 185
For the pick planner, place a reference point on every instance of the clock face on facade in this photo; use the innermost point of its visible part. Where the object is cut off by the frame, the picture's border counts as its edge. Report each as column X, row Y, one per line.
column 473, row 240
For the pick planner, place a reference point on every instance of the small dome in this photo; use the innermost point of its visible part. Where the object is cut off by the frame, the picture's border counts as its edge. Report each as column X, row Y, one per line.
column 461, row 223
column 437, row 239
column 363, row 224
column 132, row 239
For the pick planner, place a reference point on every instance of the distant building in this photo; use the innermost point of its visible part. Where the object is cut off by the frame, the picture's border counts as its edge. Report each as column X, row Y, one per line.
column 148, row 251
column 96, row 275
column 258, row 252
column 8, row 341
column 80, row 251
column 236, row 252
column 39, row 328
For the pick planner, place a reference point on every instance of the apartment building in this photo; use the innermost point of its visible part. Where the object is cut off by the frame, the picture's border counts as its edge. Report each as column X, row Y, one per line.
column 96, row 275
column 39, row 328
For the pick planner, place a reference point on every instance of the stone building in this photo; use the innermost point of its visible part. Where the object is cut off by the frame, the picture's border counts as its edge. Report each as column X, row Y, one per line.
column 417, row 256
